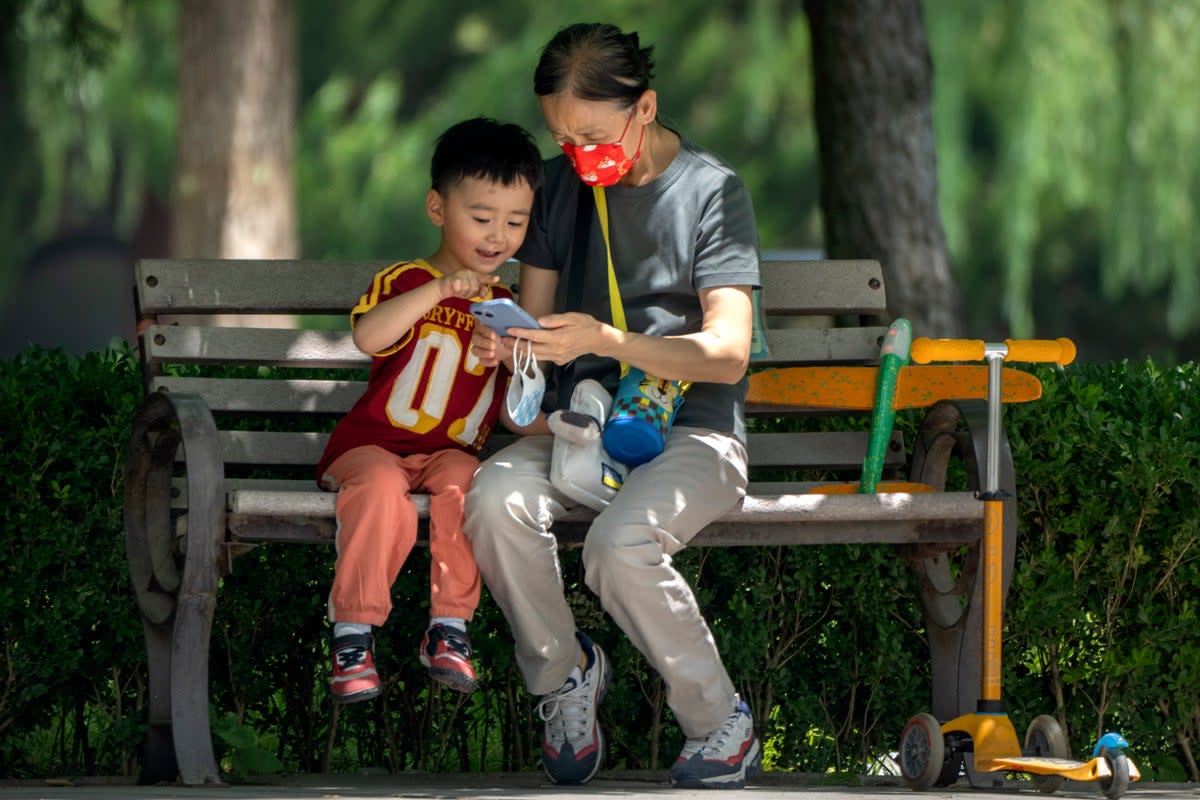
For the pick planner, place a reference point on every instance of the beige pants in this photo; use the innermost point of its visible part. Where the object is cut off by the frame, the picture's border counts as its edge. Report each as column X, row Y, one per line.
column 627, row 561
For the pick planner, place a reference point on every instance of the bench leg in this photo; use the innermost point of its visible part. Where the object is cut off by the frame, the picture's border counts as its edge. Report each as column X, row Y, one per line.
column 176, row 604
column 158, row 750
column 189, row 690
column 950, row 593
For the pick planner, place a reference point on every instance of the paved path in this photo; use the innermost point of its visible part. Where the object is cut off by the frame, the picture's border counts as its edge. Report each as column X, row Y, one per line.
column 533, row 786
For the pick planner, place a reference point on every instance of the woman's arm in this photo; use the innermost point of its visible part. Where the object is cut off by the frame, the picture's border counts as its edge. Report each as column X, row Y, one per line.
column 537, row 290
column 538, row 425
column 718, row 353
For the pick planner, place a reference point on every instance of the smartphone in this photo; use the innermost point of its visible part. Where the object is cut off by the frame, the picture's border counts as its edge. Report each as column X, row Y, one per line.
column 502, row 314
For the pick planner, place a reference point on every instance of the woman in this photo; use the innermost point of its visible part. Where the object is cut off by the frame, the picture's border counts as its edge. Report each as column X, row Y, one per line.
column 685, row 253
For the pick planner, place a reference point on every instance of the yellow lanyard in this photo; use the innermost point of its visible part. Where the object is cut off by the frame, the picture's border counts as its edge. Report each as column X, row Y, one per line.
column 614, row 291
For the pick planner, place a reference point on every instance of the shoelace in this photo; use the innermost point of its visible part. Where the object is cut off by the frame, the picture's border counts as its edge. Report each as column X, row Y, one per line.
column 691, row 747
column 456, row 643
column 350, row 657
column 565, row 712
column 716, row 740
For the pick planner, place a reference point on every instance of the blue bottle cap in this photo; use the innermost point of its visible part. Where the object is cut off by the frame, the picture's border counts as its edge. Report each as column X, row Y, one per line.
column 632, row 441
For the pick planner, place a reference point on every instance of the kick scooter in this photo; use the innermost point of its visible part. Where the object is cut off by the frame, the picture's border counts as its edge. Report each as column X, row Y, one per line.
column 930, row 753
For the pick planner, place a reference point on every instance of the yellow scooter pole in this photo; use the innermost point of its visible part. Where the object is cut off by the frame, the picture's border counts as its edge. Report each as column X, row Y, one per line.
column 1058, row 351
column 928, row 749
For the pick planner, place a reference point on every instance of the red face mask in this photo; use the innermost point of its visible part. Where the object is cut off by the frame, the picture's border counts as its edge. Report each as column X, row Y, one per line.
column 603, row 164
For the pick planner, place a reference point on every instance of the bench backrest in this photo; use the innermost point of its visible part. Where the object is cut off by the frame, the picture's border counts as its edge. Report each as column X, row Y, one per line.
column 281, row 422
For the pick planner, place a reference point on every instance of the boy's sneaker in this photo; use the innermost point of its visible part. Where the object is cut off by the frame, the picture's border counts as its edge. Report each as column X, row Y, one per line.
column 446, row 653
column 354, row 677
column 572, row 742
column 724, row 759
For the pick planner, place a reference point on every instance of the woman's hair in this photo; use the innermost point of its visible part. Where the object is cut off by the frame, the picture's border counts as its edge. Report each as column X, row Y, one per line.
column 594, row 61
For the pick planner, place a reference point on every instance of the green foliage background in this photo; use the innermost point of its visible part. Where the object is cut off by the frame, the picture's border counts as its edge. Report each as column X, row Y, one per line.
column 825, row 642
column 1065, row 135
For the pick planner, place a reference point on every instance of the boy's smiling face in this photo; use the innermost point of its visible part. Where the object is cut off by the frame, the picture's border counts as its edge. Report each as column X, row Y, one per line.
column 483, row 223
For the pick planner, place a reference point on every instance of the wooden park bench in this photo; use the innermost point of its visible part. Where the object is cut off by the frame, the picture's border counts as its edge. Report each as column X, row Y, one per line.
column 189, row 512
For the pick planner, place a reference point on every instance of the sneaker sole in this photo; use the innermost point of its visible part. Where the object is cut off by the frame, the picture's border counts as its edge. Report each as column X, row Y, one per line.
column 356, row 697
column 751, row 767
column 454, row 680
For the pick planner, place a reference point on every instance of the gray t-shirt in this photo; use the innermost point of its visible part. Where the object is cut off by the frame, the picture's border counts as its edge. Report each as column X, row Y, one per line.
column 691, row 228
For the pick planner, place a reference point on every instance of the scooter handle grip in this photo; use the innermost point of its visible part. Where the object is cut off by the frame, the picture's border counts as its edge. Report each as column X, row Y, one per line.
column 1057, row 351
column 1048, row 351
column 925, row 350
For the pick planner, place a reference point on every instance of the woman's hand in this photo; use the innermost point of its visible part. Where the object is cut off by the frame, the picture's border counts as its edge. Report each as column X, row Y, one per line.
column 564, row 337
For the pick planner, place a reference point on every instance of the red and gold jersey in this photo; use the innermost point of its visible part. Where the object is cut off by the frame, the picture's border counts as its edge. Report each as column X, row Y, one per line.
column 428, row 391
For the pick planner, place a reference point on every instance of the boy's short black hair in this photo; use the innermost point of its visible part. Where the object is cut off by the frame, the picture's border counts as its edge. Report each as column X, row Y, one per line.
column 488, row 149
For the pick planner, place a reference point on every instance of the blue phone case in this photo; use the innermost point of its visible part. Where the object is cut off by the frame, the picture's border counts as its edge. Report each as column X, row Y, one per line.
column 502, row 314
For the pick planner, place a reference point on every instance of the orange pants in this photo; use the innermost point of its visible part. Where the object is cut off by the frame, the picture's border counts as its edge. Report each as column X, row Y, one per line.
column 377, row 528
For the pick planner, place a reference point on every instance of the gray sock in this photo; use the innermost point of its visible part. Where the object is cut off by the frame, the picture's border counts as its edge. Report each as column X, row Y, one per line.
column 347, row 628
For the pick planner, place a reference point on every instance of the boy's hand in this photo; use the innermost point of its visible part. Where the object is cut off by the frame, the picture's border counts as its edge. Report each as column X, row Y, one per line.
column 490, row 347
column 466, row 284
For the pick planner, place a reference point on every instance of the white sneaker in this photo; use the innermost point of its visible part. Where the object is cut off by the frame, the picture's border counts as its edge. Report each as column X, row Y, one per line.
column 724, row 759
column 572, row 742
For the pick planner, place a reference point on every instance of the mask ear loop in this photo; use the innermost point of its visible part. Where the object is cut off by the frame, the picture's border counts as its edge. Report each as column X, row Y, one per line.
column 522, row 365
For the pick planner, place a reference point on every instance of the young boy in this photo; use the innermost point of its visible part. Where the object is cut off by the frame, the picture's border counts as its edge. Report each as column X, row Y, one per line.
column 428, row 408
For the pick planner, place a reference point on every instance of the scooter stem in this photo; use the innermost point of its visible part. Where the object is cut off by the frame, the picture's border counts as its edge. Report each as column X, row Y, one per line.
column 993, row 540
column 995, row 354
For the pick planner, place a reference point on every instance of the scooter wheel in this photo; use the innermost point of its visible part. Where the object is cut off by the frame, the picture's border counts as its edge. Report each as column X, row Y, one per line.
column 1118, row 763
column 1045, row 739
column 922, row 751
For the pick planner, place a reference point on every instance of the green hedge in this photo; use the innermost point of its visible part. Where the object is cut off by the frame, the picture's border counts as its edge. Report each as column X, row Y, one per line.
column 825, row 642
column 1102, row 623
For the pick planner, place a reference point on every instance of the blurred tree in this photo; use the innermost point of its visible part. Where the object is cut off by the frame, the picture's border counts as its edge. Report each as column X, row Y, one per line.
column 1067, row 136
column 234, row 195
column 17, row 170
column 874, row 113
column 46, row 47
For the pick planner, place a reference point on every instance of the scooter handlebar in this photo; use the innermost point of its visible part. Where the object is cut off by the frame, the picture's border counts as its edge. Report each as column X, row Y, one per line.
column 1057, row 351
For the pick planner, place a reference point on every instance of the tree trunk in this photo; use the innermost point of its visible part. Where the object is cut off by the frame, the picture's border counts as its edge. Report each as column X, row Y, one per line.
column 234, row 194
column 872, row 96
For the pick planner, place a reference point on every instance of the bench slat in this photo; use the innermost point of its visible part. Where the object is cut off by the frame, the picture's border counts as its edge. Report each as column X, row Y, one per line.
column 251, row 395
column 214, row 286
column 267, row 396
column 798, row 346
column 281, row 487
column 761, row 519
column 283, row 347
column 206, row 286
column 280, row 347
column 823, row 287
column 833, row 450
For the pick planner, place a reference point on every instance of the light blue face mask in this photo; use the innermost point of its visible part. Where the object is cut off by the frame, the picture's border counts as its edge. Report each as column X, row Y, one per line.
column 526, row 387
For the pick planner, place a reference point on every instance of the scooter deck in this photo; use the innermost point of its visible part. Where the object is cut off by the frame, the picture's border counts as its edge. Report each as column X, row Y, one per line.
column 1094, row 770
